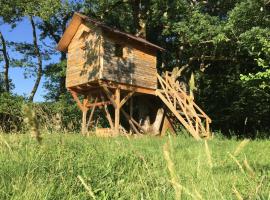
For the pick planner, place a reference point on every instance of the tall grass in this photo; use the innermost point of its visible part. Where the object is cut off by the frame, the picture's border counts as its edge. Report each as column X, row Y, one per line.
column 74, row 167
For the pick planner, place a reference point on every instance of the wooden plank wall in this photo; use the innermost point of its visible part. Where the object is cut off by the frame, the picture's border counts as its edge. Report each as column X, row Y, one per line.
column 83, row 62
column 135, row 67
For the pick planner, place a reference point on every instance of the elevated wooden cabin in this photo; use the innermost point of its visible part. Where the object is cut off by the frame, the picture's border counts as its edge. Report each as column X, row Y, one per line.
column 98, row 52
column 108, row 67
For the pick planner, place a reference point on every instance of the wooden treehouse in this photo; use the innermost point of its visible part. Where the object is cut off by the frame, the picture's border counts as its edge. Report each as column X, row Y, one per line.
column 115, row 72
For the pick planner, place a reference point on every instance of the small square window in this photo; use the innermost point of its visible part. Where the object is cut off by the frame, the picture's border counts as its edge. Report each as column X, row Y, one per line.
column 118, row 51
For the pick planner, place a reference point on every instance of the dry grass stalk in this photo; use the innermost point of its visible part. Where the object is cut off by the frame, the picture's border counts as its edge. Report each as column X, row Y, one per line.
column 238, row 163
column 177, row 187
column 216, row 189
column 260, row 185
column 6, row 143
column 240, row 147
column 208, row 154
column 199, row 196
column 237, row 194
column 249, row 168
column 31, row 121
column 198, row 170
column 88, row 188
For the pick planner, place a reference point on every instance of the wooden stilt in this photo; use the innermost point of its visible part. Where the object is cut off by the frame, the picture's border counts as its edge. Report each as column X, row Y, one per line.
column 107, row 113
column 76, row 98
column 167, row 125
column 131, row 107
column 84, row 115
column 108, row 116
column 133, row 120
column 91, row 115
column 117, row 111
column 131, row 111
column 132, row 126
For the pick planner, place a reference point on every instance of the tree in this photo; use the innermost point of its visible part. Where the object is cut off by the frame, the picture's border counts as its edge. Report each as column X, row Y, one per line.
column 39, row 57
column 4, row 52
column 53, row 27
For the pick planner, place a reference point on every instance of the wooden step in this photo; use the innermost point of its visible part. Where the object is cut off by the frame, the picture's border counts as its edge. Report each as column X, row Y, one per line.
column 183, row 108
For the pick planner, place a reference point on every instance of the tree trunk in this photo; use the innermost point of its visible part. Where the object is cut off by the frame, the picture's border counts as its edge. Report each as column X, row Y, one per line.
column 6, row 59
column 157, row 123
column 138, row 22
column 148, row 114
column 39, row 57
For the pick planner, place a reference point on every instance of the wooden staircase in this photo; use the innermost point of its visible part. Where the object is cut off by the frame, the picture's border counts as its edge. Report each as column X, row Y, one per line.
column 183, row 107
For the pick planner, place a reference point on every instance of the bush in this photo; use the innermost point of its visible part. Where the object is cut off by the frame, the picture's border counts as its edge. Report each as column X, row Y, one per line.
column 52, row 116
column 10, row 112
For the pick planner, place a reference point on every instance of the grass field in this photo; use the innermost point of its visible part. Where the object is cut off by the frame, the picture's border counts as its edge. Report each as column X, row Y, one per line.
column 74, row 167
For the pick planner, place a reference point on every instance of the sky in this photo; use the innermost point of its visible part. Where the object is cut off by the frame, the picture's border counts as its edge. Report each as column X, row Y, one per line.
column 23, row 86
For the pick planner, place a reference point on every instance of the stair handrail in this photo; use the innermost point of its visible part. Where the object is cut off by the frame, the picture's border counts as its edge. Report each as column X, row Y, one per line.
column 162, row 81
column 189, row 98
column 171, row 89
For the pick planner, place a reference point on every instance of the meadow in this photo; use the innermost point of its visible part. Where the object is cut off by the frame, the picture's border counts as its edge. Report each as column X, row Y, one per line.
column 70, row 166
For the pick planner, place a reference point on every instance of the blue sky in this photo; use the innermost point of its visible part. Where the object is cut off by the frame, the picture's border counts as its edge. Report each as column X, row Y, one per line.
column 23, row 86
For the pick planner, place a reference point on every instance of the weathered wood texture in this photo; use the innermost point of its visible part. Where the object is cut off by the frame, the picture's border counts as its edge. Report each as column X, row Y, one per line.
column 91, row 56
column 84, row 56
column 135, row 67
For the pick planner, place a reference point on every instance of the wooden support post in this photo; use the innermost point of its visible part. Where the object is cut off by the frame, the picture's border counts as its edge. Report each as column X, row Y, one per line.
column 131, row 112
column 109, row 95
column 108, row 116
column 84, row 114
column 124, row 100
column 107, row 113
column 91, row 115
column 167, row 125
column 117, row 111
column 133, row 120
column 76, row 98
column 131, row 107
column 130, row 122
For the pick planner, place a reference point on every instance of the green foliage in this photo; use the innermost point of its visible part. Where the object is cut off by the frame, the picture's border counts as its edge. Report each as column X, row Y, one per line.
column 2, row 88
column 257, row 42
column 10, row 112
column 51, row 116
column 118, row 168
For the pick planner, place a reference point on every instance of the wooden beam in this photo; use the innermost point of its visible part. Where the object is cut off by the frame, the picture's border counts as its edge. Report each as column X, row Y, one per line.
column 107, row 113
column 122, row 86
column 167, row 125
column 117, row 110
column 91, row 114
column 179, row 117
column 76, row 98
column 124, row 100
column 103, row 103
column 131, row 107
column 129, row 119
column 108, row 116
column 109, row 95
column 133, row 120
column 84, row 114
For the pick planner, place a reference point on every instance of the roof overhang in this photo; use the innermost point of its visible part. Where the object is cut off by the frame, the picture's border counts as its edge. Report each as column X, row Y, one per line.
column 78, row 19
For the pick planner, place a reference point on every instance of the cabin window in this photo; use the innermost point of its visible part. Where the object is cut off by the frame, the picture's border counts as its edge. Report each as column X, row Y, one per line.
column 118, row 51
